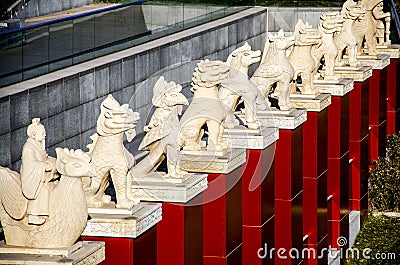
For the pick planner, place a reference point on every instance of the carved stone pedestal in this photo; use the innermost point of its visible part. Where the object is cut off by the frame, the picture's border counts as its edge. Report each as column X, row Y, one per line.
column 358, row 74
column 258, row 195
column 80, row 253
column 286, row 120
column 241, row 137
column 288, row 190
column 315, row 141
column 156, row 188
column 335, row 88
column 127, row 235
column 380, row 61
column 393, row 50
column 222, row 216
column 310, row 102
column 209, row 162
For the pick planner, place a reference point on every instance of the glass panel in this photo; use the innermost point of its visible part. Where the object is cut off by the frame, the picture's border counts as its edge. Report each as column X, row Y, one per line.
column 11, row 53
column 60, row 45
column 83, row 38
column 35, row 51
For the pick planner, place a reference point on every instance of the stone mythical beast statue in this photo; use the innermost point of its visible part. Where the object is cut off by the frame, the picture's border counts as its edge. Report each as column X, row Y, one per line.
column 161, row 137
column 238, row 86
column 301, row 59
column 110, row 156
column 206, row 108
column 275, row 68
column 67, row 210
column 365, row 27
column 347, row 38
column 328, row 25
column 382, row 20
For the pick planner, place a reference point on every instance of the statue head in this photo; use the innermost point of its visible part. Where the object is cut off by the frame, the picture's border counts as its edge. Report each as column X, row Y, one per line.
column 243, row 56
column 167, row 95
column 280, row 41
column 306, row 35
column 115, row 118
column 330, row 22
column 74, row 163
column 209, row 74
column 37, row 131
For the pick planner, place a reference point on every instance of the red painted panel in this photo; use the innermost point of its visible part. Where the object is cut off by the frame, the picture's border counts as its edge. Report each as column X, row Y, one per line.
column 171, row 251
column 333, row 232
column 214, row 217
column 391, row 122
column 252, row 242
column 322, row 204
column 334, row 127
column 310, row 209
column 283, row 169
column 310, row 143
column 283, row 228
column 251, row 200
column 312, row 257
column 333, row 188
column 391, row 84
column 374, row 95
column 373, row 144
column 355, row 112
column 382, row 138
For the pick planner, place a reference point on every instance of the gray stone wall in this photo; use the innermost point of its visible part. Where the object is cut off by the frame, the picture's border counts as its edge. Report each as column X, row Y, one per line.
column 34, row 8
column 69, row 103
column 286, row 17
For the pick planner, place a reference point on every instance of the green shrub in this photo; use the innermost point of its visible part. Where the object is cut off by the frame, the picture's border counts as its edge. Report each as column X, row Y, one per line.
column 384, row 179
column 381, row 234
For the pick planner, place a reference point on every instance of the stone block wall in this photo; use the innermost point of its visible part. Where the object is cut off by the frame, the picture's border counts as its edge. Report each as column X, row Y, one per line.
column 68, row 101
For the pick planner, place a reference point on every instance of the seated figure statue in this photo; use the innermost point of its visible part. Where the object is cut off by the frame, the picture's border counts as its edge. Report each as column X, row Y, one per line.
column 37, row 170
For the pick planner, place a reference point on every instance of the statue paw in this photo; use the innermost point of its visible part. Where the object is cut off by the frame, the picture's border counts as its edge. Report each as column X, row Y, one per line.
column 127, row 204
column 253, row 125
column 106, row 198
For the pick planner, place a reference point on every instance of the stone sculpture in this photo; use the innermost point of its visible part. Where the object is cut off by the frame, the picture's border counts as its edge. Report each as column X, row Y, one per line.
column 275, row 68
column 238, row 86
column 161, row 137
column 109, row 155
column 382, row 20
column 206, row 108
column 347, row 38
column 300, row 57
column 67, row 214
column 328, row 25
column 366, row 27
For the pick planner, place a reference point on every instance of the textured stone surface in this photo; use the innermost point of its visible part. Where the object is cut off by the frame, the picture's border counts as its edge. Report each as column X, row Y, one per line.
column 86, row 84
column 5, row 115
column 128, row 72
column 18, row 138
column 101, row 81
column 38, row 102
column 19, row 110
column 72, row 122
column 71, row 93
column 54, row 98
column 5, row 154
column 55, row 129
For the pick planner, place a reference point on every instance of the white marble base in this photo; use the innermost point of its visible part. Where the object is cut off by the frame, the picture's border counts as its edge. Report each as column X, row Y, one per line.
column 354, row 226
column 110, row 208
column 288, row 120
column 315, row 103
column 393, row 50
column 335, row 88
column 241, row 137
column 210, row 163
column 358, row 74
column 333, row 257
column 378, row 62
column 82, row 253
column 155, row 188
column 129, row 226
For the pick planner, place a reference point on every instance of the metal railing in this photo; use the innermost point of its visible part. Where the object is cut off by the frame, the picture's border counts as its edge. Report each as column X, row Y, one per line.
column 42, row 48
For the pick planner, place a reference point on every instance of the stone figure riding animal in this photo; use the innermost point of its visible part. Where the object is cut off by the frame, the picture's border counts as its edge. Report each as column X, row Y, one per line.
column 346, row 39
column 161, row 139
column 206, row 108
column 238, row 86
column 110, row 156
column 275, row 68
column 300, row 57
column 328, row 25
column 67, row 205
